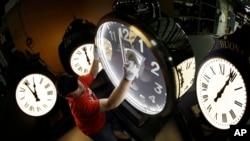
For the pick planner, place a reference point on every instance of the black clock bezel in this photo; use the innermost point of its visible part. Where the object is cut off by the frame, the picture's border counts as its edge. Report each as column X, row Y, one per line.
column 160, row 52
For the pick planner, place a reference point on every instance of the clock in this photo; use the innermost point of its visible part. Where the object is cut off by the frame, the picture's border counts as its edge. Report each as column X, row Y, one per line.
column 169, row 32
column 222, row 88
column 81, row 59
column 154, row 91
column 186, row 72
column 76, row 48
column 36, row 94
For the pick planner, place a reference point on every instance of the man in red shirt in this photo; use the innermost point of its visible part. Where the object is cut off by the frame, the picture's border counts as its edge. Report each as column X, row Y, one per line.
column 89, row 111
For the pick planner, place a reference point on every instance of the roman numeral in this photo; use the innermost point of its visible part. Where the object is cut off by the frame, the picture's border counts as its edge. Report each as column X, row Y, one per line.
column 188, row 65
column 205, row 98
column 41, row 81
column 47, row 85
column 224, row 117
column 31, row 108
column 79, row 52
column 207, row 78
column 215, row 116
column 222, row 69
column 209, row 107
column 22, row 90
column 236, row 89
column 204, row 86
column 50, row 92
column 38, row 109
column 212, row 69
column 45, row 106
column 232, row 114
column 232, row 75
column 238, row 103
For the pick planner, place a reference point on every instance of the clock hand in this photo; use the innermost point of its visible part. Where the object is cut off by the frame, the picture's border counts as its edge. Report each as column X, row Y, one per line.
column 181, row 76
column 223, row 88
column 120, row 40
column 35, row 93
column 86, row 55
column 27, row 84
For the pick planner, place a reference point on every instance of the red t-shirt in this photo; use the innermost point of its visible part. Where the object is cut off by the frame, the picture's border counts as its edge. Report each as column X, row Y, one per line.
column 86, row 110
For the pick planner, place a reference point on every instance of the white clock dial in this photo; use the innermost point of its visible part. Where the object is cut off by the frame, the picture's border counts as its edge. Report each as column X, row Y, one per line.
column 221, row 92
column 82, row 58
column 36, row 94
column 186, row 72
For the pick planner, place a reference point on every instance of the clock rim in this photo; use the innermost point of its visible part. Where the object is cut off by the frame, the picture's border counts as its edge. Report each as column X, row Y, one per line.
column 242, row 66
column 167, row 64
column 47, row 74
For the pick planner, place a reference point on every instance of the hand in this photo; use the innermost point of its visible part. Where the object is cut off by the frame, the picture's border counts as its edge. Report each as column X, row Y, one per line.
column 219, row 94
column 131, row 70
column 34, row 93
column 96, row 55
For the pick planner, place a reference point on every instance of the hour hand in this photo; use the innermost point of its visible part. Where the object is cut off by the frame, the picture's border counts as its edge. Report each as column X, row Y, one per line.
column 33, row 92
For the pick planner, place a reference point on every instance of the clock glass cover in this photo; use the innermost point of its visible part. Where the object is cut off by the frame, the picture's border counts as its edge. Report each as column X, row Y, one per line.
column 221, row 92
column 148, row 92
column 36, row 94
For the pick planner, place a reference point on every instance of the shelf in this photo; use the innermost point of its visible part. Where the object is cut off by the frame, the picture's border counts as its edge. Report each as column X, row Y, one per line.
column 196, row 16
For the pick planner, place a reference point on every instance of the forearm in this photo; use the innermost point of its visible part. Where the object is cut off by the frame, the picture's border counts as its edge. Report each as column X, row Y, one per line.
column 95, row 67
column 118, row 94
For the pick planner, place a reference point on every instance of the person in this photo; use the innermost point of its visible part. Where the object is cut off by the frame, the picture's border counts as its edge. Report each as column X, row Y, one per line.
column 89, row 112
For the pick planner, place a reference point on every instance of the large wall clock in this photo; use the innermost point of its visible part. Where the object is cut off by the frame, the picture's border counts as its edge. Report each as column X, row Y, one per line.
column 222, row 88
column 76, row 48
column 154, row 91
column 36, row 94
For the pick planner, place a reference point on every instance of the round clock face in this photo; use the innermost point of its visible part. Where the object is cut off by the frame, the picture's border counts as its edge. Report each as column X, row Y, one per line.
column 221, row 92
column 82, row 58
column 186, row 72
column 36, row 94
column 148, row 93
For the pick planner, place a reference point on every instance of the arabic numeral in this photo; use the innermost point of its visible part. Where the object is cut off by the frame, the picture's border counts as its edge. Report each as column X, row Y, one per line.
column 158, row 88
column 155, row 68
column 112, row 35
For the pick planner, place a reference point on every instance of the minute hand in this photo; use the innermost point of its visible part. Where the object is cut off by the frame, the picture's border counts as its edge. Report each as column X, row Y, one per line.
column 223, row 88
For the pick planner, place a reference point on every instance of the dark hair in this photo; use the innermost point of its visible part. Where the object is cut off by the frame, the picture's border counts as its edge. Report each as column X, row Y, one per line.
column 66, row 84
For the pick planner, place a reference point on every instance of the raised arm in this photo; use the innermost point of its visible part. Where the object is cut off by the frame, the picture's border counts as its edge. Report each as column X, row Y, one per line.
column 95, row 66
column 119, row 93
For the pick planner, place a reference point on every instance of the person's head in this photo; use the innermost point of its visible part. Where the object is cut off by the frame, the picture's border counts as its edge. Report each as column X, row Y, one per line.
column 69, row 86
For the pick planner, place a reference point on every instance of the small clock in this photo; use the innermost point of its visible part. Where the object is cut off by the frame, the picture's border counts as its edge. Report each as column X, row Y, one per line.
column 222, row 88
column 77, row 46
column 36, row 94
column 186, row 72
column 81, row 59
column 154, row 91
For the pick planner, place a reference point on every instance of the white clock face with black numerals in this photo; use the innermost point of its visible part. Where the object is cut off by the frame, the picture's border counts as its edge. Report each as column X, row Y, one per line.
column 221, row 92
column 82, row 58
column 36, row 94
